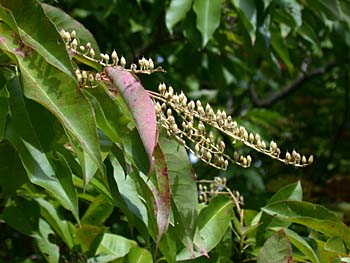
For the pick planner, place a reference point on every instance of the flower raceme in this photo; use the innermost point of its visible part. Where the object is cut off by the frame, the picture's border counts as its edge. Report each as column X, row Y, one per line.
column 190, row 122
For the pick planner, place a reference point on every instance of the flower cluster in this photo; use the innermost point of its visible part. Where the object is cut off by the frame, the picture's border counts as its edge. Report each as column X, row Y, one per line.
column 87, row 52
column 210, row 188
column 190, row 123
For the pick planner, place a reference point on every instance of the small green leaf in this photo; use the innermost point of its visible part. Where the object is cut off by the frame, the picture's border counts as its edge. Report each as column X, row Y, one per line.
column 290, row 192
column 176, row 12
column 98, row 211
column 139, row 255
column 115, row 246
column 276, row 249
column 248, row 14
column 208, row 17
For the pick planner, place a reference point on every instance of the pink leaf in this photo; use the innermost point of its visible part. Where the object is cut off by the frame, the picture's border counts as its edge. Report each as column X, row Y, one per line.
column 140, row 105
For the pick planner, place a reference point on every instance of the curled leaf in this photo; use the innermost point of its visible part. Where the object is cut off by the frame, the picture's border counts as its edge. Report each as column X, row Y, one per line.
column 139, row 104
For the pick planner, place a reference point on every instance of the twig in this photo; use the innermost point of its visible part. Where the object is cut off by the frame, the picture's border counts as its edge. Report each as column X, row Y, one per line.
column 296, row 84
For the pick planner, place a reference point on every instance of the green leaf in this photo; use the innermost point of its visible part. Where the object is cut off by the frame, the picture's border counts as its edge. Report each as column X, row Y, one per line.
column 125, row 192
column 58, row 93
column 22, row 215
column 8, row 18
column 281, row 49
column 98, row 211
column 289, row 12
column 110, row 118
column 64, row 21
column 336, row 244
column 162, row 192
column 276, row 249
column 183, row 188
column 10, row 168
column 40, row 171
column 139, row 255
column 208, row 17
column 140, row 105
column 61, row 227
column 176, row 12
column 30, row 17
column 88, row 237
column 302, row 245
column 213, row 222
column 4, row 105
column 248, row 14
column 50, row 251
column 128, row 191
column 292, row 192
column 314, row 216
column 115, row 246
column 330, row 8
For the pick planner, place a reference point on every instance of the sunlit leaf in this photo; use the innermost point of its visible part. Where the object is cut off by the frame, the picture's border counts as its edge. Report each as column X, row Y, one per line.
column 47, row 42
column 115, row 246
column 290, row 192
column 139, row 255
column 22, row 136
column 58, row 93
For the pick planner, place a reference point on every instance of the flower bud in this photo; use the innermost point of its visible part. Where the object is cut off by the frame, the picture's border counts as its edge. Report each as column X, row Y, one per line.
column 122, row 62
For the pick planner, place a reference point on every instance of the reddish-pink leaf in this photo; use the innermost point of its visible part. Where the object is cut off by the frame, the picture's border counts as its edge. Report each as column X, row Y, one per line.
column 140, row 106
column 162, row 193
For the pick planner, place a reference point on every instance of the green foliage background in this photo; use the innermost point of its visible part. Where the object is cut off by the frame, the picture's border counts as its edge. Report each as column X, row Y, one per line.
column 268, row 45
column 280, row 67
